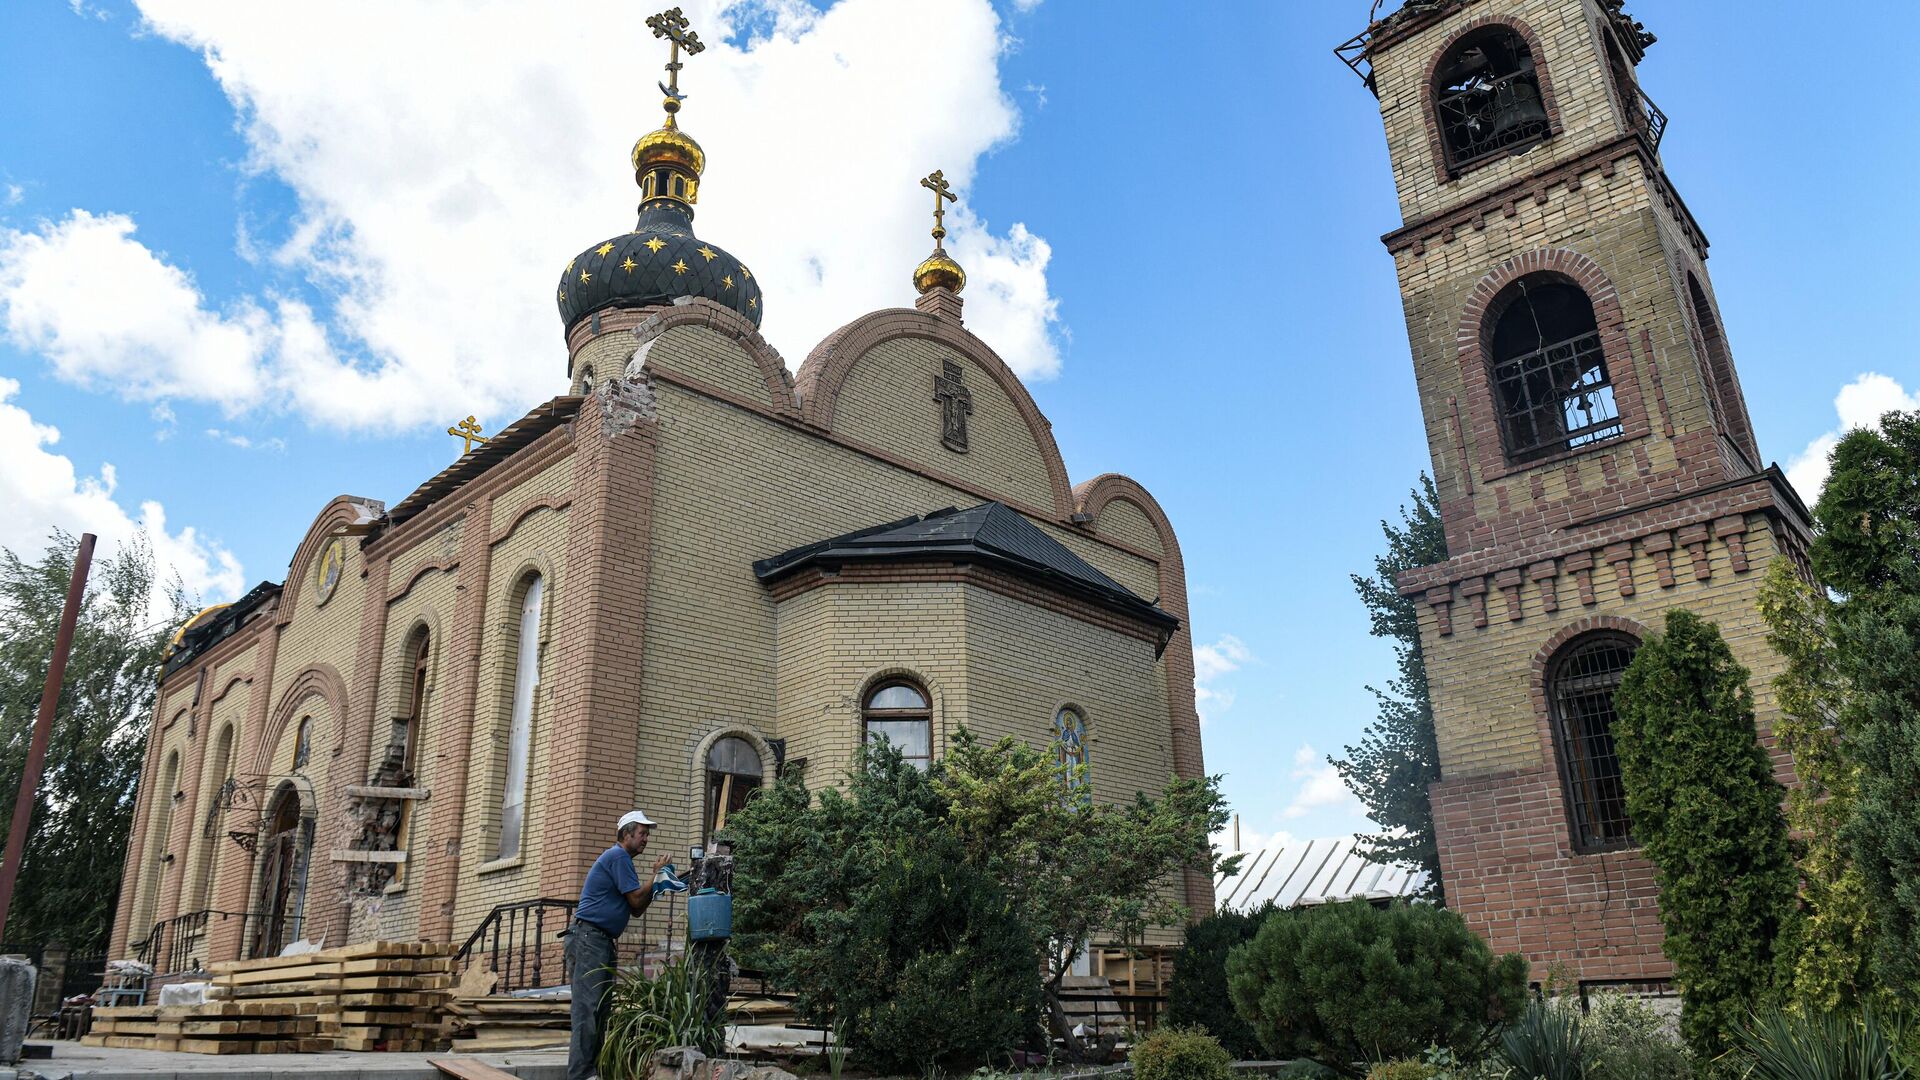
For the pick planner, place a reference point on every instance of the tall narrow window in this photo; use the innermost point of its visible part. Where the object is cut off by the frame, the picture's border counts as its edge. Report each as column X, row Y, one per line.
column 302, row 742
column 733, row 773
column 1581, row 681
column 526, row 680
column 1549, row 372
column 898, row 712
column 1487, row 94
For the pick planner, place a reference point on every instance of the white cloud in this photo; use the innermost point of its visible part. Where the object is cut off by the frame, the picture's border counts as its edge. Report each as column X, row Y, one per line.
column 15, row 193
column 446, row 168
column 1319, row 787
column 1251, row 838
column 1860, row 404
column 244, row 442
column 1210, row 663
column 42, row 489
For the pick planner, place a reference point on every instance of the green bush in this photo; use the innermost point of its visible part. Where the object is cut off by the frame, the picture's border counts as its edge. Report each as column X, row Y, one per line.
column 1304, row 1070
column 1631, row 1041
column 1352, row 982
column 1180, row 1053
column 648, row 1015
column 1198, row 995
column 1779, row 1045
column 1546, row 1042
column 1403, row 1069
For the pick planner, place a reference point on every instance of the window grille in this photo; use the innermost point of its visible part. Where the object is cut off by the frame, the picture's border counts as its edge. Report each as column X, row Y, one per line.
column 1550, row 379
column 898, row 712
column 1580, row 689
column 1488, row 98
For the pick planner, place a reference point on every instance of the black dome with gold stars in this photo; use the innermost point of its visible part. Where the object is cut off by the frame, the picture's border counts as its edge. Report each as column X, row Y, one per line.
column 661, row 260
column 657, row 262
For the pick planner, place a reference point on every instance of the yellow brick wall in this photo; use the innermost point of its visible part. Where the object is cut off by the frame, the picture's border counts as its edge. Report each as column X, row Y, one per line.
column 1485, row 715
column 1579, row 75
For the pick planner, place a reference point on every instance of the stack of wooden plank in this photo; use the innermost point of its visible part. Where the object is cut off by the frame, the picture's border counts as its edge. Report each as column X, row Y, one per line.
column 381, row 995
column 217, row 1027
column 508, row 1022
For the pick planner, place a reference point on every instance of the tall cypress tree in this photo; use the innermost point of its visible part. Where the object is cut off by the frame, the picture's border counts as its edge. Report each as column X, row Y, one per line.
column 1397, row 756
column 1706, row 811
column 1868, row 551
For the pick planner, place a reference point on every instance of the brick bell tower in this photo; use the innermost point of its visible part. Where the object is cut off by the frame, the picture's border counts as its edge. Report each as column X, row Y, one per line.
column 1591, row 446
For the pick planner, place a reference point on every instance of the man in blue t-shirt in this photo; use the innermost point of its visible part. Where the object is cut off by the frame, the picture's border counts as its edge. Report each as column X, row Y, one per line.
column 613, row 893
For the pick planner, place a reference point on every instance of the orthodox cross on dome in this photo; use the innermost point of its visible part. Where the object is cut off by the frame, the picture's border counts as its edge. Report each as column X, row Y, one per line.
column 468, row 431
column 956, row 404
column 672, row 25
column 942, row 194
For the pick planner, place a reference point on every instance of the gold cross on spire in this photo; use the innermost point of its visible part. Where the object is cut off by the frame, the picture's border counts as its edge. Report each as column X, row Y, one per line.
column 672, row 25
column 468, row 431
column 942, row 194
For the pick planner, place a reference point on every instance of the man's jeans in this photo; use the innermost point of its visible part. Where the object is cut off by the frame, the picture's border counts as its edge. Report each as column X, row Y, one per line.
column 591, row 955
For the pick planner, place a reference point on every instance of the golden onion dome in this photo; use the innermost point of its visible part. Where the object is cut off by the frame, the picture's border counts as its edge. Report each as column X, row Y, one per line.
column 668, row 145
column 938, row 270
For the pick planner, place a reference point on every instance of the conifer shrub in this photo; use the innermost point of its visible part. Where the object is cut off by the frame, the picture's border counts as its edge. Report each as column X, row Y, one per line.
column 1403, row 1069
column 1198, row 995
column 1706, row 811
column 1346, row 983
column 1171, row 1052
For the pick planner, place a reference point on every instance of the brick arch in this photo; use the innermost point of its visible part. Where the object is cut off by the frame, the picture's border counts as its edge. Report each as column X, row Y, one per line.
column 1471, row 339
column 321, row 681
column 1091, row 497
column 340, row 510
column 1430, row 99
column 1538, row 667
column 828, row 365
column 649, row 323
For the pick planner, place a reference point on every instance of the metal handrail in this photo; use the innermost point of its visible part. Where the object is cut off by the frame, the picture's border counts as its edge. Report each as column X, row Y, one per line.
column 514, row 939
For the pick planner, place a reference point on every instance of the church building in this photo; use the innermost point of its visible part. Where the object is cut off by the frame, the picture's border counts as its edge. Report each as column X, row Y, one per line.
column 693, row 571
column 1595, row 463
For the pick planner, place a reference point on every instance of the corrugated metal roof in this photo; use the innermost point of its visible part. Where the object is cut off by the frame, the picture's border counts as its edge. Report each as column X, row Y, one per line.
column 1302, row 872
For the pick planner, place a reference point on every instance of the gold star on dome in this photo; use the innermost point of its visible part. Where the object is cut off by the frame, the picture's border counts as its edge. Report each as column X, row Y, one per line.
column 603, row 249
column 655, row 244
column 745, row 273
column 727, row 281
column 563, row 296
column 570, row 263
column 585, row 277
column 629, row 265
column 680, row 267
column 753, row 302
column 707, row 253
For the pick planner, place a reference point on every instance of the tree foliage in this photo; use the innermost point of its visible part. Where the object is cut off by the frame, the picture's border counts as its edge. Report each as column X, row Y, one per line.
column 1397, row 756
column 70, row 878
column 1868, row 551
column 1706, row 811
column 923, row 910
column 1198, row 995
column 863, row 903
column 1350, row 983
column 1826, row 952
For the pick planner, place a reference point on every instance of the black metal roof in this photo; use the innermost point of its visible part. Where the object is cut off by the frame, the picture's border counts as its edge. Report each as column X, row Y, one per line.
column 991, row 534
column 657, row 262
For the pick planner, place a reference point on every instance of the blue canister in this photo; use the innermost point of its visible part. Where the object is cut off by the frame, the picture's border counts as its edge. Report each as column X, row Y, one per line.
column 709, row 916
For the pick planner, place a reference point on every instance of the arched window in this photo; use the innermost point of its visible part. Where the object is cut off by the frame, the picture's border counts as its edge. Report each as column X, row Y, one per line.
column 1070, row 746
column 302, row 742
column 159, row 841
column 586, row 381
column 898, row 712
column 1487, row 94
column 284, row 851
column 1723, row 386
column 1581, row 680
column 733, row 773
column 1549, row 372
column 526, row 680
column 212, row 840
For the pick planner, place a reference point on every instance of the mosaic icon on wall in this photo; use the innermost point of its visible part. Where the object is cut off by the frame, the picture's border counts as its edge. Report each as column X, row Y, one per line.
column 1070, row 743
column 333, row 560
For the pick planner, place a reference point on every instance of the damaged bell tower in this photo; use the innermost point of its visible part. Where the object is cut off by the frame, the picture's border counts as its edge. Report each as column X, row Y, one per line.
column 1590, row 443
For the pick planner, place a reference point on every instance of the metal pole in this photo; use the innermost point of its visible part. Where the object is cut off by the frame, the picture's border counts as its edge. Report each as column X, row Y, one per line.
column 43, row 729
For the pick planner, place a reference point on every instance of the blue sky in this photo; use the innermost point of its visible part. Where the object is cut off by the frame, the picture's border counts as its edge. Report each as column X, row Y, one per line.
column 253, row 256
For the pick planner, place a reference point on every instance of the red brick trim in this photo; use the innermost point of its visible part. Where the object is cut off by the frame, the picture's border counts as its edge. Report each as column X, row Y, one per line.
column 226, row 683
column 1091, row 497
column 340, row 510
column 549, row 448
column 1542, row 711
column 1471, row 339
column 1429, row 98
column 827, row 367
column 319, row 680
column 527, row 509
column 695, row 311
column 444, row 566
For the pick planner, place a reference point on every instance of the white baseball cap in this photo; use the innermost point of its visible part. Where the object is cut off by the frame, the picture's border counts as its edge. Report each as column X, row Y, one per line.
column 634, row 817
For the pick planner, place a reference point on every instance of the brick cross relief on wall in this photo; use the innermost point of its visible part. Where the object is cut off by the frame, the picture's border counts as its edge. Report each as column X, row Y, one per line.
column 956, row 404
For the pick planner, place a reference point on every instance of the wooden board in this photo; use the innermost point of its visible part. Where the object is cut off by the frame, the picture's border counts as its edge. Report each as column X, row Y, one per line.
column 468, row 1069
